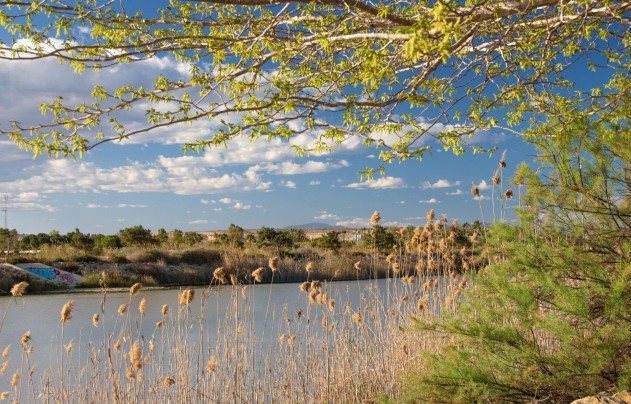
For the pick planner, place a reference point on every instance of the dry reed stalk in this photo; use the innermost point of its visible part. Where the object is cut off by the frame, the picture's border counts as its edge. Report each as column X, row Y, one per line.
column 19, row 289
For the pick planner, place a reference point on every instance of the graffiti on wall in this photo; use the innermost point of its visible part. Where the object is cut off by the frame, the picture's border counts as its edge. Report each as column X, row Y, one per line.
column 52, row 274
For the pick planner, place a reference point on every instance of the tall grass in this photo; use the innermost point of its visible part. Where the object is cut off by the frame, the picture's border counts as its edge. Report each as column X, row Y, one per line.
column 323, row 348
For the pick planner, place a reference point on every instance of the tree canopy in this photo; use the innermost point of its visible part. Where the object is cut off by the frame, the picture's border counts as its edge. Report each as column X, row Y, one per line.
column 391, row 74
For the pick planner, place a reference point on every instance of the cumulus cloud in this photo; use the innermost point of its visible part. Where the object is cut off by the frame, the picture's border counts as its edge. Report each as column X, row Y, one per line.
column 440, row 184
column 288, row 184
column 235, row 204
column 380, row 183
column 314, row 182
column 310, row 167
column 483, row 185
column 355, row 222
column 326, row 216
column 456, row 192
column 430, row 201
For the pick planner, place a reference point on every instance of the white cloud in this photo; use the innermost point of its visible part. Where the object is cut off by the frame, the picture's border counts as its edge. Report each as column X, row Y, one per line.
column 326, row 216
column 96, row 206
column 200, row 221
column 380, row 183
column 227, row 200
column 483, row 185
column 356, row 222
column 242, row 206
column 288, row 184
column 126, row 205
column 456, row 192
column 430, row 201
column 314, row 182
column 310, row 167
column 235, row 204
column 401, row 202
column 440, row 184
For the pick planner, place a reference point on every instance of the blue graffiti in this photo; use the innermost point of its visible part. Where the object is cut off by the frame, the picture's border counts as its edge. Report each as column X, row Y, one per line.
column 50, row 274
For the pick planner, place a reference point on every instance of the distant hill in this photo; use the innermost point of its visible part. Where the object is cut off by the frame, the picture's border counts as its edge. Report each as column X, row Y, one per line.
column 314, row 226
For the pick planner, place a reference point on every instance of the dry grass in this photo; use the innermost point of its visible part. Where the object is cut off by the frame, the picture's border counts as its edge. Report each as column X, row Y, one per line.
column 328, row 348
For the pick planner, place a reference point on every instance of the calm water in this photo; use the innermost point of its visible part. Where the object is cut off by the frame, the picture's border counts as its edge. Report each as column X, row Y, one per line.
column 269, row 306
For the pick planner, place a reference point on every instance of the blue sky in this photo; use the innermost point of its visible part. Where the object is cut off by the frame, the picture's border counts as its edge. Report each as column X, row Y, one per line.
column 149, row 181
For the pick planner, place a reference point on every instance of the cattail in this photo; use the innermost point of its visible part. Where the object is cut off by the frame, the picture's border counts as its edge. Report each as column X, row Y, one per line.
column 357, row 318
column 309, row 267
column 15, row 379
column 167, row 381
column 508, row 194
column 66, row 312
column 475, row 191
column 305, row 286
column 220, row 275
column 273, row 263
column 430, row 215
column 186, row 297
column 95, row 320
column 19, row 289
column 375, row 218
column 358, row 266
column 165, row 309
column 211, row 365
column 257, row 274
column 122, row 309
column 135, row 289
column 135, row 356
column 6, row 350
column 142, row 306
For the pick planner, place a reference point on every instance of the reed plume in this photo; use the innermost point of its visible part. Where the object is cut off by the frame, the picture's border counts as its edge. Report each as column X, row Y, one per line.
column 167, row 381
column 95, row 319
column 273, row 263
column 122, row 309
column 211, row 365
column 135, row 356
column 220, row 275
column 135, row 289
column 15, row 379
column 26, row 338
column 358, row 266
column 66, row 312
column 142, row 306
column 19, row 289
column 375, row 218
column 309, row 267
column 165, row 309
column 430, row 215
column 305, row 286
column 257, row 274
column 186, row 297
column 6, row 350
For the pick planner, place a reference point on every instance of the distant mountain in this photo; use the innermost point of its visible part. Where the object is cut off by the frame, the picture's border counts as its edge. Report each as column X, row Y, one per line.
column 314, row 226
